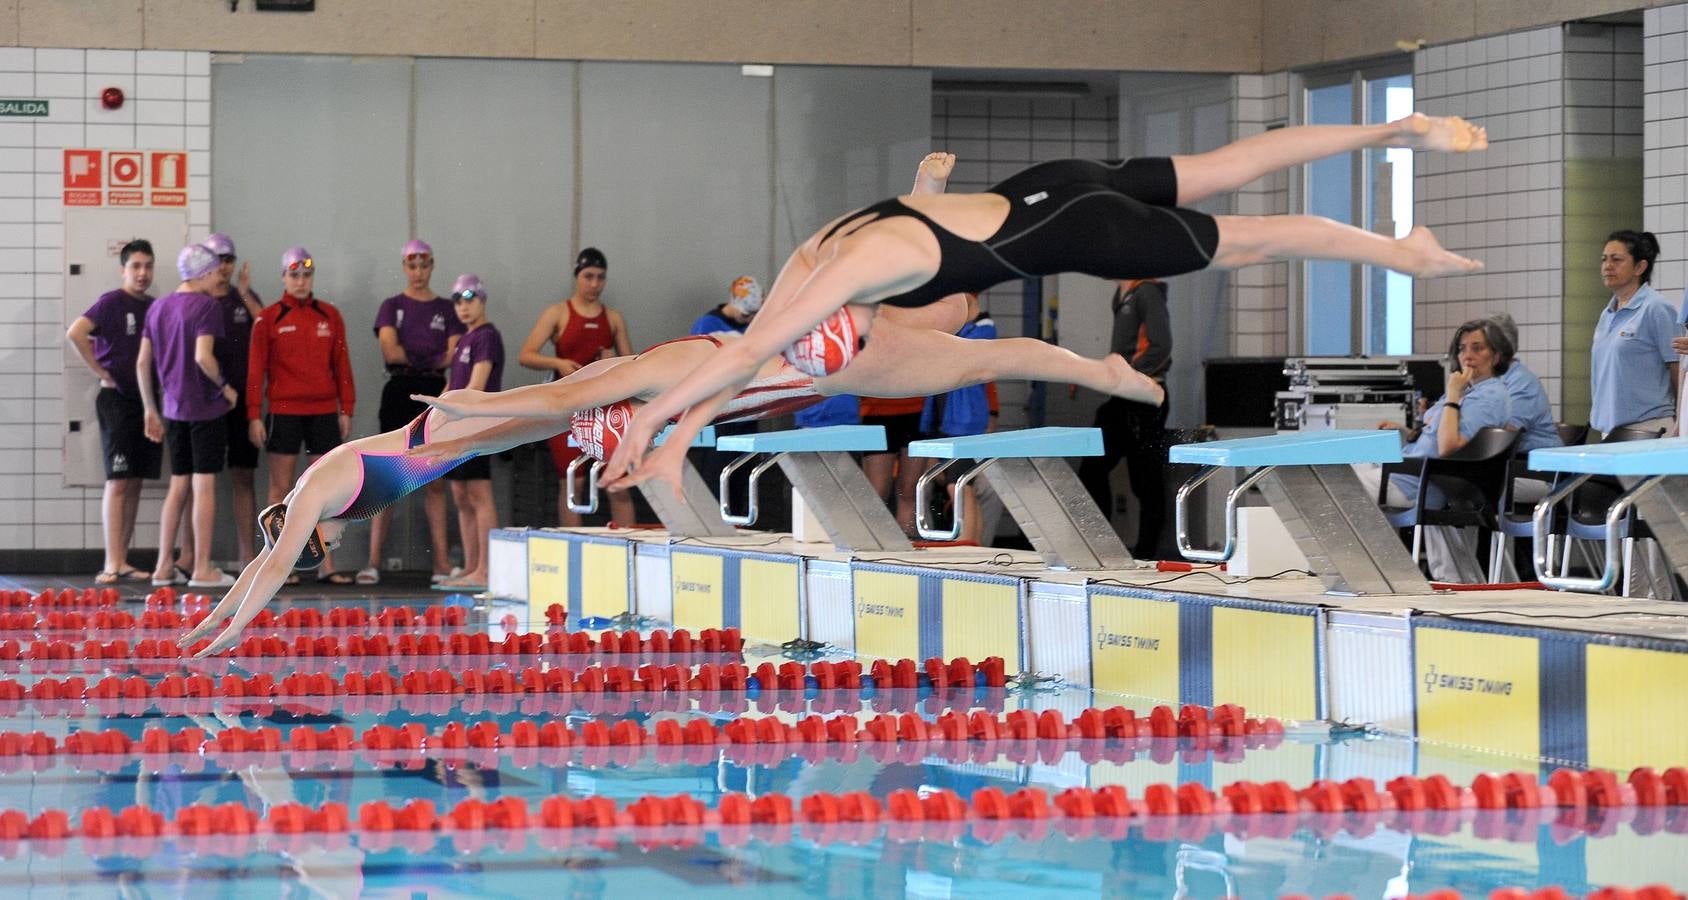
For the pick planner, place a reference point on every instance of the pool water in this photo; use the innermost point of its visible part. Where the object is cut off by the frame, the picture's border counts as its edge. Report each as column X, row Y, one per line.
column 1019, row 859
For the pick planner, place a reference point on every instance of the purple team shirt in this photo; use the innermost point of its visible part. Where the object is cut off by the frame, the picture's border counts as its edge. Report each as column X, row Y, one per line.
column 481, row 345
column 174, row 324
column 235, row 347
column 118, row 319
column 424, row 327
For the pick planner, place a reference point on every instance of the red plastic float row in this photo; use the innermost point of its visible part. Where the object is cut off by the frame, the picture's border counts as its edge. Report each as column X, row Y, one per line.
column 295, row 617
column 681, row 641
column 646, row 679
column 65, row 598
column 993, row 813
column 978, row 736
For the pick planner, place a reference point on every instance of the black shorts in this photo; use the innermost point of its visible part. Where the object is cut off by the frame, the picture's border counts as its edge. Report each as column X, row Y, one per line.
column 243, row 454
column 900, row 430
column 1112, row 219
column 123, row 439
column 318, row 434
column 478, row 468
column 197, row 448
column 397, row 409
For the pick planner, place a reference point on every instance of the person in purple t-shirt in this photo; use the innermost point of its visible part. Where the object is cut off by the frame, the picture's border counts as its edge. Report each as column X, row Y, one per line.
column 241, row 306
column 418, row 330
column 477, row 365
column 181, row 335
column 108, row 337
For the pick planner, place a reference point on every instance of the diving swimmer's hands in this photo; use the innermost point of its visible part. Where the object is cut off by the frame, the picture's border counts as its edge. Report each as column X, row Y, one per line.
column 634, row 462
column 452, row 410
column 451, row 449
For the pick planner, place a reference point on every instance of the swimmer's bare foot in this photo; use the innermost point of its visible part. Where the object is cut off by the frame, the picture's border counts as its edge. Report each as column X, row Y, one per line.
column 1449, row 134
column 1132, row 384
column 1425, row 258
column 934, row 173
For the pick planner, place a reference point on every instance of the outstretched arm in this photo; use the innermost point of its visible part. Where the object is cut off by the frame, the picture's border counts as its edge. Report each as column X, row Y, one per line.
column 451, row 442
column 261, row 578
column 552, row 400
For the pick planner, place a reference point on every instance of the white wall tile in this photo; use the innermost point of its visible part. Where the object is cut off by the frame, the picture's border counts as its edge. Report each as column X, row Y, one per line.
column 161, row 62
column 56, row 60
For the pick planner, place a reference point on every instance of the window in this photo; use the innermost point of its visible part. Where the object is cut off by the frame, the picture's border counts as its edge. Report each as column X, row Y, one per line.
column 1351, row 308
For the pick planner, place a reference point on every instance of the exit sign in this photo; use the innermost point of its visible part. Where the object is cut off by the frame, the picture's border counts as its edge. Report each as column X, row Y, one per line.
column 23, row 107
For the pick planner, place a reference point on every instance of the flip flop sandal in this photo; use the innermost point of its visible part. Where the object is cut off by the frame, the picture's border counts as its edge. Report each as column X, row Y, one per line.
column 336, row 578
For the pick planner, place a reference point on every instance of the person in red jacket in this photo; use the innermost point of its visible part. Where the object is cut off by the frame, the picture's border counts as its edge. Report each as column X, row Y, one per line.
column 299, row 349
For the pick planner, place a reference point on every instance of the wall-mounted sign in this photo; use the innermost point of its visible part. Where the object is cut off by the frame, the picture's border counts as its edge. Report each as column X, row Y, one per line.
column 31, row 108
column 125, row 178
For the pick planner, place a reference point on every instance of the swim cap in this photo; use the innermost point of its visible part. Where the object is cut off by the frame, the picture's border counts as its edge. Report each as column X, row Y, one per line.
column 414, row 247
column 826, row 349
column 745, row 294
column 220, row 244
column 270, row 523
column 468, row 284
column 297, row 257
column 196, row 260
column 598, row 431
column 591, row 258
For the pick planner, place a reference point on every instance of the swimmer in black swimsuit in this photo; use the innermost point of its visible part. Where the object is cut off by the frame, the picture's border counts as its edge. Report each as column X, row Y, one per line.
column 904, row 259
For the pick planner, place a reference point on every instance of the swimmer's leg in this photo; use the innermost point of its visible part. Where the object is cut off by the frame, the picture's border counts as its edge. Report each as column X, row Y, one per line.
column 1230, row 167
column 903, row 362
column 1251, row 240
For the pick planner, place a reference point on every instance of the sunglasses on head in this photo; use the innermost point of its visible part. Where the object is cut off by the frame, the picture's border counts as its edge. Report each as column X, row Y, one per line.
column 466, row 295
column 302, row 267
column 420, row 257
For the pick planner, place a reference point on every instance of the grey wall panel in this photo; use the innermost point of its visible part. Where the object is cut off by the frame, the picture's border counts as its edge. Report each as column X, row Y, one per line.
column 312, row 151
column 495, row 185
column 674, row 186
column 844, row 138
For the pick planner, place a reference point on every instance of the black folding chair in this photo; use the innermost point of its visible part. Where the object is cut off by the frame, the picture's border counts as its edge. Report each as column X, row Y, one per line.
column 1473, row 479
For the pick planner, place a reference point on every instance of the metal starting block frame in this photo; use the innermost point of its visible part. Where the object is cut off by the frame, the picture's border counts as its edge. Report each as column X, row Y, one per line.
column 1651, row 471
column 689, row 517
column 1307, row 479
column 817, row 463
column 1028, row 471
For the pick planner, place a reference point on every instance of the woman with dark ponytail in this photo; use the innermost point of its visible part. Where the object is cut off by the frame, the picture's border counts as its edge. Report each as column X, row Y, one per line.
column 1633, row 370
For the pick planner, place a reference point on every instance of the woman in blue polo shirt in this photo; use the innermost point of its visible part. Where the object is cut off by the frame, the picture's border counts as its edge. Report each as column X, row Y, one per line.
column 1633, row 371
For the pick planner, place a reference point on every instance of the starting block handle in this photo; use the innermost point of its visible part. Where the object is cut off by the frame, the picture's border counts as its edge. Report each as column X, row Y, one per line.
column 1181, row 516
column 1542, row 520
column 591, row 504
column 925, row 529
column 752, row 508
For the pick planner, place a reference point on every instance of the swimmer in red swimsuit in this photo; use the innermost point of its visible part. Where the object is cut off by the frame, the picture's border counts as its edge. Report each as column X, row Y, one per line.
column 907, row 258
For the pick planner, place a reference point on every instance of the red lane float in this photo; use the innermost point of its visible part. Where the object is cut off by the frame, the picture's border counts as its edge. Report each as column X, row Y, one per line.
column 957, row 736
column 1164, row 812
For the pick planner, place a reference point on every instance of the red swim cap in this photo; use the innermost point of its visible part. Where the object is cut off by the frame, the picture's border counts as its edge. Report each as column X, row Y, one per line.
column 826, row 349
column 598, row 431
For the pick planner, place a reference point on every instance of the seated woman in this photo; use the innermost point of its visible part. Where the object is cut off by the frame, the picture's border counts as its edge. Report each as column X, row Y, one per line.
column 359, row 479
column 1476, row 397
column 909, row 258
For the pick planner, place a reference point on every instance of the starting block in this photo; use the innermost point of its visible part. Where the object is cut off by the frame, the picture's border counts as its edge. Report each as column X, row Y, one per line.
column 817, row 463
column 1306, row 477
column 1647, row 469
column 682, row 518
column 1028, row 471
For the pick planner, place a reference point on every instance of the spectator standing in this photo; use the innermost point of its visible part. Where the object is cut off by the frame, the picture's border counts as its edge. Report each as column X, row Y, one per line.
column 418, row 330
column 478, row 365
column 108, row 338
column 1132, row 431
column 1633, row 368
column 581, row 329
column 300, row 363
column 744, row 298
column 241, row 306
column 180, row 337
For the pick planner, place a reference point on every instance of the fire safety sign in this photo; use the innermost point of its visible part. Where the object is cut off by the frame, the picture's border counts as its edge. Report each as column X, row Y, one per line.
column 125, row 177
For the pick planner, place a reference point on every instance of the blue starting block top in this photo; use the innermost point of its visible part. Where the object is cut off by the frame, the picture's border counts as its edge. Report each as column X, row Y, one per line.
column 1665, row 456
column 705, row 438
column 1025, row 443
column 807, row 440
column 1295, row 448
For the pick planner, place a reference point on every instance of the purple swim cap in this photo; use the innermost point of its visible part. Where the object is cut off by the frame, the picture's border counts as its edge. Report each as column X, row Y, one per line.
column 196, row 260
column 414, row 247
column 220, row 244
column 297, row 259
column 470, row 285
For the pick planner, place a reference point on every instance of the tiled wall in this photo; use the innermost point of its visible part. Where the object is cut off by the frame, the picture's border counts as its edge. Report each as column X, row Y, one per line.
column 994, row 137
column 1665, row 190
column 1260, row 300
column 169, row 108
column 1503, row 206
